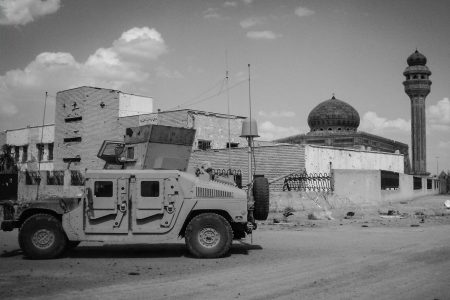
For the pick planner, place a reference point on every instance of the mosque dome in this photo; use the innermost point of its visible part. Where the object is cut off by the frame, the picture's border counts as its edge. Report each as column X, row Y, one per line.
column 333, row 115
column 416, row 59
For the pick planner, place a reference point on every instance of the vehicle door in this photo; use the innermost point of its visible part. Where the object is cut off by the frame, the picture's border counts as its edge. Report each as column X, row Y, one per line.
column 157, row 205
column 107, row 202
column 148, row 205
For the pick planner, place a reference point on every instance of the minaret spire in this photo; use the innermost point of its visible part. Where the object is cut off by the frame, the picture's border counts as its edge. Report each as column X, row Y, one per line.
column 417, row 87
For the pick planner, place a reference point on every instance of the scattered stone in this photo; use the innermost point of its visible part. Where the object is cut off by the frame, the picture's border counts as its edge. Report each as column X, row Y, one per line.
column 447, row 204
column 364, row 225
column 275, row 221
column 415, row 225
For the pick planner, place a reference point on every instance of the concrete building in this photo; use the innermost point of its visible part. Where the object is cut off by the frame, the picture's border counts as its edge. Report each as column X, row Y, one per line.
column 417, row 87
column 31, row 147
column 335, row 123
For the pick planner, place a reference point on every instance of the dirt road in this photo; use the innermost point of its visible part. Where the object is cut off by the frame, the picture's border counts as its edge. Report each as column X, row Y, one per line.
column 313, row 261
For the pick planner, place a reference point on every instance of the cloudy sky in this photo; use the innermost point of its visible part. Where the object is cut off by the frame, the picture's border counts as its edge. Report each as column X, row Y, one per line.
column 178, row 51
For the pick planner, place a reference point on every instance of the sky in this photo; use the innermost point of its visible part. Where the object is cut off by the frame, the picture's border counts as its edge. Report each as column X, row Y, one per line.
column 178, row 52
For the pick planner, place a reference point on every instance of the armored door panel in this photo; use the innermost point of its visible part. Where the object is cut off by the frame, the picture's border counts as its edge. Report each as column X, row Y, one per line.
column 107, row 206
column 149, row 198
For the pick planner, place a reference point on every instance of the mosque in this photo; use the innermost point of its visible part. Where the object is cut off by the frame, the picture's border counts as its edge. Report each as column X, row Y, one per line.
column 334, row 123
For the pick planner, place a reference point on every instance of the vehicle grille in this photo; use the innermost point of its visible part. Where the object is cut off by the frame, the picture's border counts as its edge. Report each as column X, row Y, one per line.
column 212, row 193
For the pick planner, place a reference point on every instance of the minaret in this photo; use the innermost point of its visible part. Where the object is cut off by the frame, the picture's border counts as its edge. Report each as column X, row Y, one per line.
column 417, row 86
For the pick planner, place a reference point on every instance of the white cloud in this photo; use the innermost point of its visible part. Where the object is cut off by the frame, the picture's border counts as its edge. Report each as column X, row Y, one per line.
column 212, row 13
column 277, row 114
column 303, row 11
column 263, row 35
column 438, row 115
column 230, row 4
column 372, row 123
column 269, row 131
column 21, row 12
column 126, row 65
column 252, row 21
column 248, row 2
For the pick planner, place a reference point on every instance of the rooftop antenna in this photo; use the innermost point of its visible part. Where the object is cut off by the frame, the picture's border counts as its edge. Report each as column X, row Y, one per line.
column 41, row 147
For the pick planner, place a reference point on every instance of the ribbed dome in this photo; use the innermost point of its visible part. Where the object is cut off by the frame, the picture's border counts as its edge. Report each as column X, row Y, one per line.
column 333, row 115
column 417, row 59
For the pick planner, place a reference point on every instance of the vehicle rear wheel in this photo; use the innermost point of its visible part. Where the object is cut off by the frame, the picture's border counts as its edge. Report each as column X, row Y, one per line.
column 261, row 197
column 42, row 237
column 208, row 235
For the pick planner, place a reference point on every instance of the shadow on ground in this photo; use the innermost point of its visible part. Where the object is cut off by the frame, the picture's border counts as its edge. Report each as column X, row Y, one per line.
column 148, row 251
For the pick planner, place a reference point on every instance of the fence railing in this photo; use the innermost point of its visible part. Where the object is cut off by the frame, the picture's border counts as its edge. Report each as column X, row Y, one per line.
column 308, row 182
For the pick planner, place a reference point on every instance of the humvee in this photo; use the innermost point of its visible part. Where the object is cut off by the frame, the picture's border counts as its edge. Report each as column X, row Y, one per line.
column 143, row 195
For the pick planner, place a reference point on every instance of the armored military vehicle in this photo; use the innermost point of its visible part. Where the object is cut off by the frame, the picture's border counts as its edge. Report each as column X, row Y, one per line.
column 144, row 195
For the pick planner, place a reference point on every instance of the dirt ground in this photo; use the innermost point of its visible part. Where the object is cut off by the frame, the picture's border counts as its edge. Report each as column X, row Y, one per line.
column 375, row 254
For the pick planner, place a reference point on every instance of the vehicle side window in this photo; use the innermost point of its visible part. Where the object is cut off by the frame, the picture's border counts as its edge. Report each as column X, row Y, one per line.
column 103, row 189
column 149, row 188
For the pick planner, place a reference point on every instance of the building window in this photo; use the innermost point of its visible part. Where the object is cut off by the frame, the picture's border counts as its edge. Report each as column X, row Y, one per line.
column 103, row 189
column 40, row 149
column 16, row 154
column 204, row 144
column 389, row 180
column 50, row 151
column 55, row 177
column 149, row 188
column 32, row 178
column 24, row 154
column 232, row 145
column 76, row 178
column 429, row 184
column 73, row 119
column 73, row 140
column 417, row 183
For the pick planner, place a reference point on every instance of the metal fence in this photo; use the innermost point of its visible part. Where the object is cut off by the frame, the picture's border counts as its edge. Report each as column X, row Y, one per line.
column 308, row 182
column 237, row 175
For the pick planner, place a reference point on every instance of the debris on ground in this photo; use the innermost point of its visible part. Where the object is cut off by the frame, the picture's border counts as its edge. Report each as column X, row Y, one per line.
column 322, row 215
column 393, row 214
column 349, row 215
column 447, row 204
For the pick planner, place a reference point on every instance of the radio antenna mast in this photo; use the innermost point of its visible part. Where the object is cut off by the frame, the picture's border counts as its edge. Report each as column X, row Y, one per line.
column 41, row 147
column 228, row 112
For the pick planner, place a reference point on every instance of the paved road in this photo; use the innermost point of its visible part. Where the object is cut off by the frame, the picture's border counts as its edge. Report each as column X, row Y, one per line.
column 306, row 262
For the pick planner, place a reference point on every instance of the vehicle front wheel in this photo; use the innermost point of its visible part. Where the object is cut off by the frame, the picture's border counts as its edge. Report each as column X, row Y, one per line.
column 208, row 235
column 42, row 237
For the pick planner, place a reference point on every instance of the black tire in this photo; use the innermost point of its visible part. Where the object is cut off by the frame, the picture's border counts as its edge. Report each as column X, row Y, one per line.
column 42, row 237
column 261, row 198
column 208, row 235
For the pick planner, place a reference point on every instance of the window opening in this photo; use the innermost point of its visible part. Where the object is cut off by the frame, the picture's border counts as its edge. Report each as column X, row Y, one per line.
column 103, row 189
column 149, row 188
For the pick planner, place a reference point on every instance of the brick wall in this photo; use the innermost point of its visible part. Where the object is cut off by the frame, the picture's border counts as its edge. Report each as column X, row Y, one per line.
column 271, row 161
column 95, row 118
